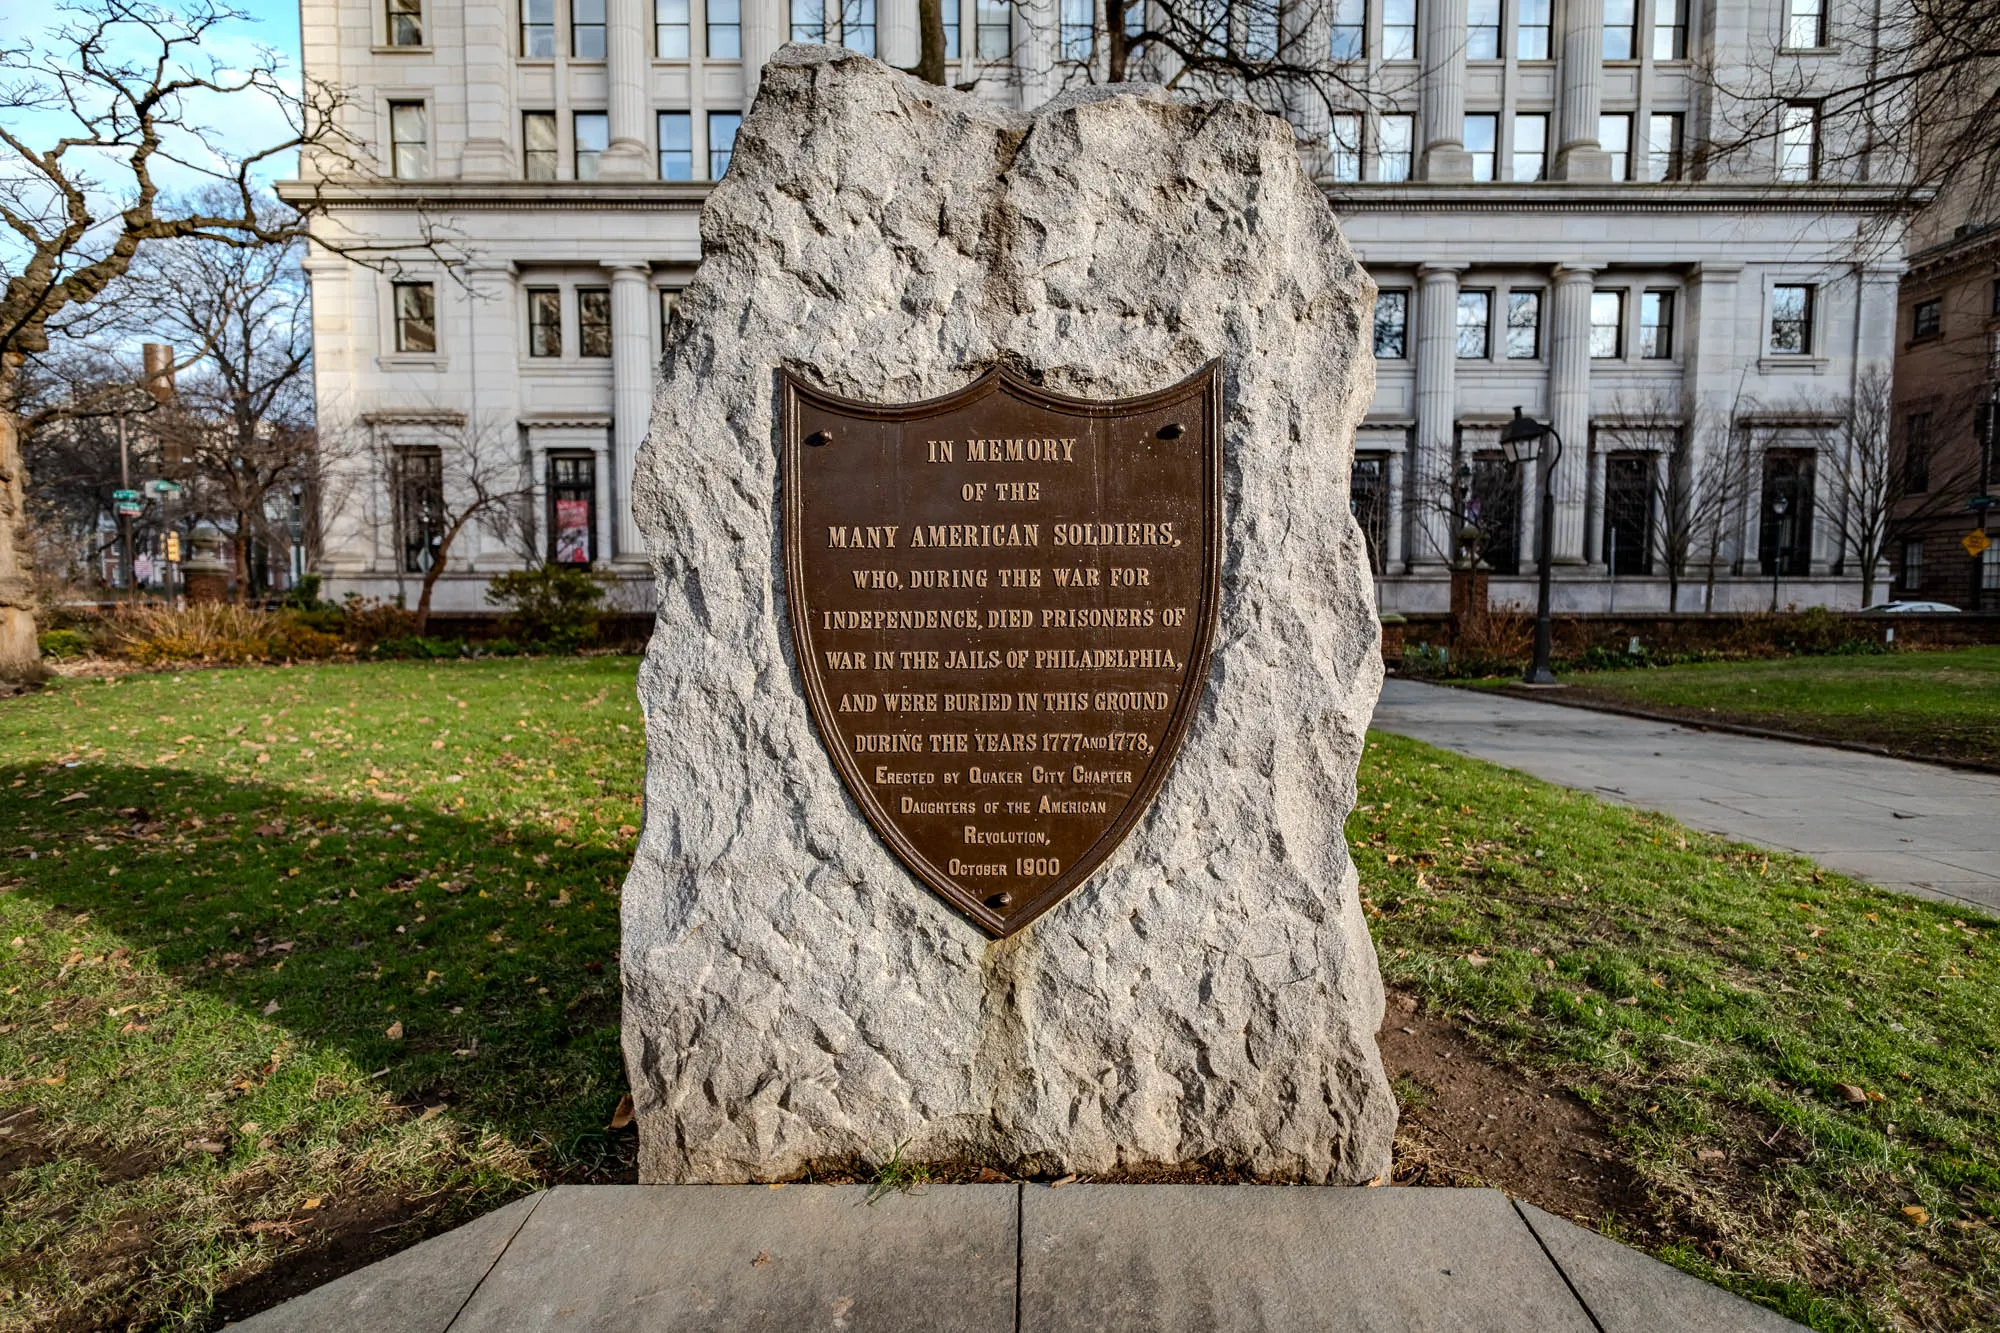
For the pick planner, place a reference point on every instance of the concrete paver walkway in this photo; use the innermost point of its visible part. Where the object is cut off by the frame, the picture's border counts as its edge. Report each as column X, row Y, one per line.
column 1918, row 828
column 995, row 1258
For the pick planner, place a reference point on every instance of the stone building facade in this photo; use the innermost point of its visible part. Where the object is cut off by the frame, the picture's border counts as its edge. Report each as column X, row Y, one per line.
column 1535, row 185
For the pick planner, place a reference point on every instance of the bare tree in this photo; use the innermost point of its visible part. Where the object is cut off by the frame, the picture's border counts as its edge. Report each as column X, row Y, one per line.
column 1724, row 464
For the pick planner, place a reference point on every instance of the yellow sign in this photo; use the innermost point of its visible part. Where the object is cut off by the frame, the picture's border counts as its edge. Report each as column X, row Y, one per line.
column 1975, row 542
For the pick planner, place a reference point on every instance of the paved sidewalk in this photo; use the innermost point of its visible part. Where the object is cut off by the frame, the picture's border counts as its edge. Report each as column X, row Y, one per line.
column 996, row 1258
column 1918, row 828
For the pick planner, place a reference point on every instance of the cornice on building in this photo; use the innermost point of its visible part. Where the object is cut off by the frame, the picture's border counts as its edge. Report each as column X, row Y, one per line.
column 1975, row 247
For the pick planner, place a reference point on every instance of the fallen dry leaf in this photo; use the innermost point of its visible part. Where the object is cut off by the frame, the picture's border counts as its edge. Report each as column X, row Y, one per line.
column 270, row 1008
column 622, row 1117
column 395, row 1032
column 1850, row 1092
column 1917, row 1216
column 1066, row 1180
column 763, row 1257
column 988, row 1176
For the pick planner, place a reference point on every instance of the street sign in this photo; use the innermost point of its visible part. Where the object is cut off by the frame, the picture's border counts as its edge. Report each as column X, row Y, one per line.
column 130, row 508
column 161, row 486
column 125, row 497
column 1975, row 543
column 1979, row 502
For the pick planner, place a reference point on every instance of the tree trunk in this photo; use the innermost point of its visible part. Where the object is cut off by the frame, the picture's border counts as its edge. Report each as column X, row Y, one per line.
column 20, row 660
column 432, row 574
column 930, row 51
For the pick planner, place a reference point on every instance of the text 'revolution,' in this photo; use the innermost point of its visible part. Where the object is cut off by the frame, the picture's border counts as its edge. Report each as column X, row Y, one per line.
column 1002, row 603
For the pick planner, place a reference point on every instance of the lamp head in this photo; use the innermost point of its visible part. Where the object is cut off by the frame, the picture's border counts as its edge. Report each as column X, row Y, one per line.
column 1518, row 437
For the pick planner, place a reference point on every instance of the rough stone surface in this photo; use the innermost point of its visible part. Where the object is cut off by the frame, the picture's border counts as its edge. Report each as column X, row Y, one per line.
column 1211, row 995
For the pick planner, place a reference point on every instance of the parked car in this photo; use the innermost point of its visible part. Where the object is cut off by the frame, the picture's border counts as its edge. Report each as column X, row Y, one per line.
column 1909, row 609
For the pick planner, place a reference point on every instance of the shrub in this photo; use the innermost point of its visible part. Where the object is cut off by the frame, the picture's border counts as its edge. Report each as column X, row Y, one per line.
column 295, row 641
column 421, row 647
column 368, row 621
column 554, row 607
column 1422, row 659
column 304, row 595
column 202, row 633
column 63, row 643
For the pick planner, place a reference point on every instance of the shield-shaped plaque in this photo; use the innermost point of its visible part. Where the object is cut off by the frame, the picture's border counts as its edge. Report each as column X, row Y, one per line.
column 1002, row 603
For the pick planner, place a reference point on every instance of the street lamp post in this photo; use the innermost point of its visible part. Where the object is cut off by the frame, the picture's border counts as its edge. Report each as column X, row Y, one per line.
column 1518, row 440
column 1779, row 504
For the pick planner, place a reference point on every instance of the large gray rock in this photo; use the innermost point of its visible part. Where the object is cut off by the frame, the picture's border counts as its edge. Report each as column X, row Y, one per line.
column 792, row 994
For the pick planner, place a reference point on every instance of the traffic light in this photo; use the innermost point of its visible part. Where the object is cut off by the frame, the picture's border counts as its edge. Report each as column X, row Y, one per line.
column 173, row 548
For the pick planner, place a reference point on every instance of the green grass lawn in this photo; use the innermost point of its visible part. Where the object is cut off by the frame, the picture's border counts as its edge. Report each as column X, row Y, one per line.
column 313, row 956
column 1924, row 704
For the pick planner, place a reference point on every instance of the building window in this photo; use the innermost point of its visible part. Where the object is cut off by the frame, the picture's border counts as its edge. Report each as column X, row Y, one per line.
column 593, row 321
column 1531, row 30
column 670, row 302
column 572, row 509
column 1917, row 453
column 1984, row 444
column 1493, row 511
column 409, row 140
column 406, row 22
column 857, row 26
column 1621, row 27
column 538, row 29
column 1475, row 318
column 1480, row 134
column 1260, row 36
column 722, row 127
column 809, row 20
column 1343, row 147
column 1784, row 544
column 544, row 321
column 1531, row 147
column 1989, row 569
column 416, row 317
column 1079, row 29
column 1628, row 514
column 1798, row 142
column 586, row 29
column 1928, row 319
column 420, row 506
column 1663, row 146
column 1791, row 321
column 1656, row 326
column 1524, row 325
column 950, row 29
column 1482, row 29
column 1913, row 563
column 676, row 145
column 1614, row 136
column 1395, row 143
column 1368, row 501
column 1805, row 24
column 1670, row 29
column 1349, row 38
column 1995, row 308
column 1399, row 29
column 1607, row 325
column 670, row 29
column 1210, row 21
column 995, row 33
column 539, row 159
column 593, row 135
column 725, row 29
column 1392, row 325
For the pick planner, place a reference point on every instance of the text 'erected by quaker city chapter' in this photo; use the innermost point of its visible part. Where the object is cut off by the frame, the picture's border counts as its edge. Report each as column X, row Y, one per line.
column 999, row 603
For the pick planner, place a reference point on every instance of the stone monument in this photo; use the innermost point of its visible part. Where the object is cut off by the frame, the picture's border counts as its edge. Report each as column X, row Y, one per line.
column 996, row 458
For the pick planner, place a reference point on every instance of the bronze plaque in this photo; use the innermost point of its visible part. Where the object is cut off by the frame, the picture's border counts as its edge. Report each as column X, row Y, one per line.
column 1002, row 602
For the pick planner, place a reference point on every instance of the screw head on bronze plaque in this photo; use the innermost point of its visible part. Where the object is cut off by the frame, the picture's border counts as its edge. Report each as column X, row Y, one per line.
column 1002, row 603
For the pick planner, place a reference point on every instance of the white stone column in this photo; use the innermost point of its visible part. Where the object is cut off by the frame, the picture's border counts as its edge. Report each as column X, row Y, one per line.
column 489, row 133
column 628, row 58
column 1569, row 403
column 631, row 391
column 345, row 543
column 1429, row 478
column 1394, row 484
column 1579, row 156
column 1441, row 90
column 765, row 29
column 897, row 40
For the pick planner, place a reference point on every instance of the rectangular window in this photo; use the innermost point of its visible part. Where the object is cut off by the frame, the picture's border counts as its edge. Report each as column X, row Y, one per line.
column 1913, row 563
column 809, row 20
column 1260, row 32
column 1399, row 29
column 1805, row 24
column 676, row 145
column 857, row 26
column 1791, row 321
column 1995, row 308
column 1986, row 444
column 722, row 127
column 1784, row 544
column 1656, row 326
column 1350, row 28
column 593, row 321
column 1531, row 30
column 1628, row 514
column 1210, row 21
column 670, row 29
column 1927, row 320
column 1343, row 144
column 416, row 317
column 593, row 135
column 1798, row 142
column 1524, row 325
column 544, row 321
column 1392, row 325
column 1368, row 501
column 1614, row 136
column 995, row 34
column 1079, row 28
column 538, row 29
column 540, row 160
column 1989, row 568
column 409, row 140
column 1607, row 325
column 1663, row 146
column 420, row 506
column 1482, row 29
column 1395, row 143
column 1670, row 29
column 572, row 509
column 1531, row 147
column 950, row 29
column 1480, row 134
column 1917, row 453
column 586, row 29
column 406, row 22
column 1475, row 320
column 1621, row 27
column 725, row 29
